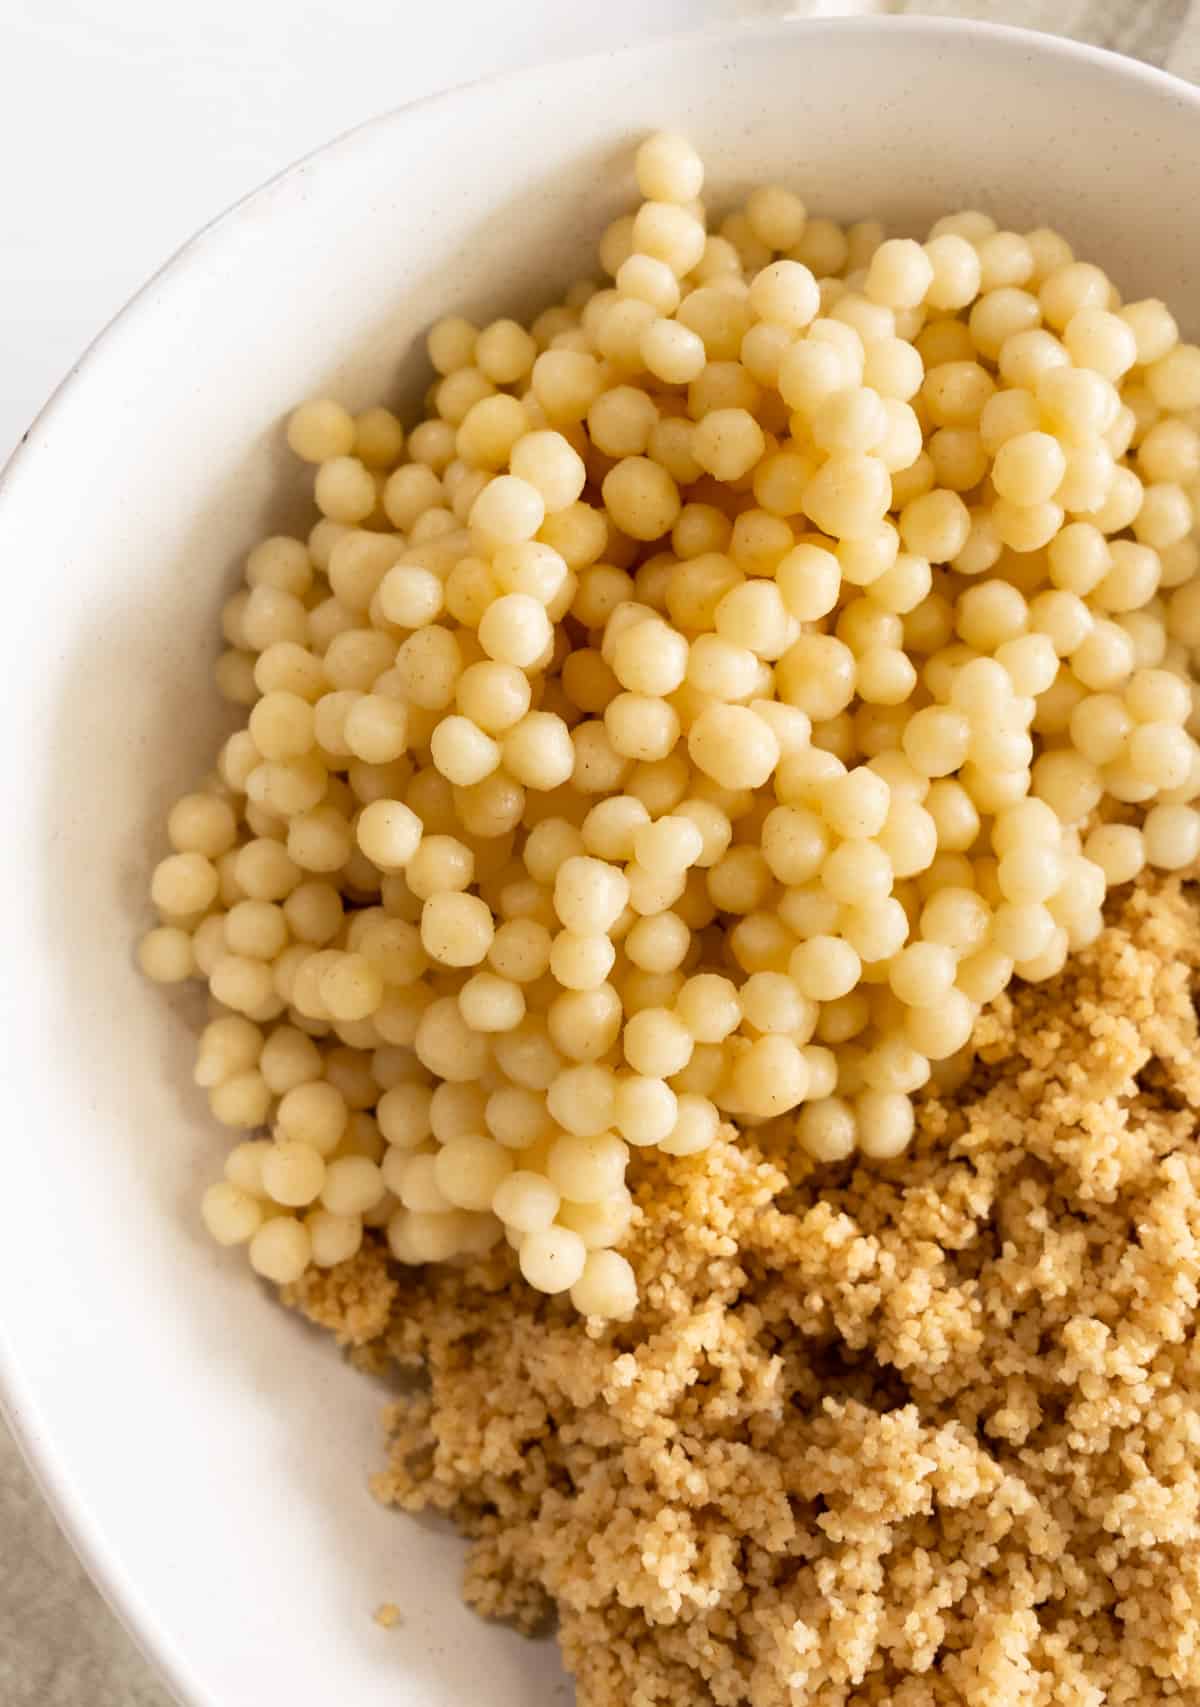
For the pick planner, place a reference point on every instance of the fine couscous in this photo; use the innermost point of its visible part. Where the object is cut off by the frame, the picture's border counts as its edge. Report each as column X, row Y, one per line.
column 707, row 840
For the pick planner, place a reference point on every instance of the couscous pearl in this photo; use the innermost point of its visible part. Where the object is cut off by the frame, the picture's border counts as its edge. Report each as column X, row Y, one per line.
column 230, row 1214
column 827, row 1129
column 320, row 430
column 166, row 955
column 1171, row 836
column 607, row 1287
column 470, row 1169
column 785, row 293
column 456, row 929
column 553, row 1258
column 293, row 1173
column 353, row 1184
column 884, row 1122
column 733, row 789
column 645, row 1110
column 281, row 1250
column 587, row 1169
column 527, row 1202
column 335, row 1238
column 389, row 833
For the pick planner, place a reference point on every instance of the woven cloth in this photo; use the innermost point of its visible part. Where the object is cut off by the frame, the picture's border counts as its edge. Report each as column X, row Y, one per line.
column 1162, row 32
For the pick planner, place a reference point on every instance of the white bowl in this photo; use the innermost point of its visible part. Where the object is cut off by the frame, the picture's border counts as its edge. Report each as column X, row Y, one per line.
column 207, row 1454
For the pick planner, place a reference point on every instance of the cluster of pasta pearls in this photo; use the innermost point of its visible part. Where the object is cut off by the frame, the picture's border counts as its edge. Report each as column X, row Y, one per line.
column 733, row 682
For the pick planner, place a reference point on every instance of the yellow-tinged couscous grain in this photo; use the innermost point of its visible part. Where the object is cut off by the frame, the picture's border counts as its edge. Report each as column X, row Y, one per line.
column 873, row 1428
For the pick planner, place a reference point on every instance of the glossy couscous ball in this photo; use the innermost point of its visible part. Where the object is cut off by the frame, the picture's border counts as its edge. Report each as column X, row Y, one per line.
column 733, row 681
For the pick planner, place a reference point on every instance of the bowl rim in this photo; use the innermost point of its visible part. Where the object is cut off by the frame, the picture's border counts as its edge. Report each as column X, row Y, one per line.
column 18, row 1403
column 1037, row 41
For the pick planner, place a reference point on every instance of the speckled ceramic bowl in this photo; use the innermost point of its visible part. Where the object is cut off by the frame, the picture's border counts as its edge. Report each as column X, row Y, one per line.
column 206, row 1453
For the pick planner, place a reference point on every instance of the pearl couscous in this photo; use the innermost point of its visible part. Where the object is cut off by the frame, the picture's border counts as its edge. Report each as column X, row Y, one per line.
column 736, row 680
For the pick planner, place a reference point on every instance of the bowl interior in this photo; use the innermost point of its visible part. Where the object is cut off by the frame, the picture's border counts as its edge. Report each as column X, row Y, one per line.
column 208, row 1452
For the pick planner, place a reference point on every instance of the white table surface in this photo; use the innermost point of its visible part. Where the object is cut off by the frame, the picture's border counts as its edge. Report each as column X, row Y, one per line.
column 123, row 131
column 123, row 128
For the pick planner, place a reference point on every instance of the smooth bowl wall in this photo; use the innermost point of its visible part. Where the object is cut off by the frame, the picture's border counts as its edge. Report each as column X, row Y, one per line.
column 208, row 1453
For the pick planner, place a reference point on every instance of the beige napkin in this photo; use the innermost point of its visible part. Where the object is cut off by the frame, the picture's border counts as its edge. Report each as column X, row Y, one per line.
column 1163, row 32
column 59, row 1644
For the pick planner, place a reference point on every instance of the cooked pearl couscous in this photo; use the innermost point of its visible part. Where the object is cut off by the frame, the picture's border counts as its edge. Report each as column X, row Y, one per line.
column 699, row 735
column 733, row 683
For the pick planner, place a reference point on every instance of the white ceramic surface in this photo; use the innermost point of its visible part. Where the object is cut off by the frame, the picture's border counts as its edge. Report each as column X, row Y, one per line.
column 207, row 1454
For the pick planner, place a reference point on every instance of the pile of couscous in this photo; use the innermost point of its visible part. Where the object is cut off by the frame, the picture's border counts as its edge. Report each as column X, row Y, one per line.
column 670, row 769
column 918, row 1433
